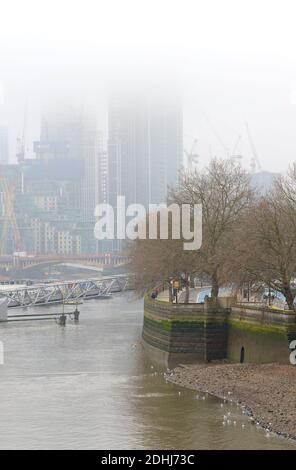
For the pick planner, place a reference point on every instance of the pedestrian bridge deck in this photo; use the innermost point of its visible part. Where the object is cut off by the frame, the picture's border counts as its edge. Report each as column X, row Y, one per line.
column 64, row 291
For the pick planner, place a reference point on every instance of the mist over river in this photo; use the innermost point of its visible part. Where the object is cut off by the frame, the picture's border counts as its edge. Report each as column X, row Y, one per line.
column 91, row 386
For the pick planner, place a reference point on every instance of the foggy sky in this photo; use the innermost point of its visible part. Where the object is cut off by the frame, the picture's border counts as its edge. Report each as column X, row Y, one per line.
column 231, row 61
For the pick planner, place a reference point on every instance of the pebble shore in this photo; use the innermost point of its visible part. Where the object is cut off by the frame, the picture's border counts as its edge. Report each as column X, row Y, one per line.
column 267, row 392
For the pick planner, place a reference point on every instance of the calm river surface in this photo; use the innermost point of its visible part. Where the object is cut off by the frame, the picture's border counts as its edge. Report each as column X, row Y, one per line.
column 90, row 386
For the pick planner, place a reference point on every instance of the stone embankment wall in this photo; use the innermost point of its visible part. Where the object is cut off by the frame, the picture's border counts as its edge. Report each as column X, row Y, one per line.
column 179, row 333
column 265, row 334
column 189, row 332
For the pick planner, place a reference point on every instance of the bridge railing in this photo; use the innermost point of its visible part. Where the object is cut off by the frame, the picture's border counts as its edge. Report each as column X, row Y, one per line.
column 64, row 291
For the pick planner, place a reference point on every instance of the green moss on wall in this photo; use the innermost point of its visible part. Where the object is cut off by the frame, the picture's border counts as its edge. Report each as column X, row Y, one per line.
column 169, row 324
column 258, row 329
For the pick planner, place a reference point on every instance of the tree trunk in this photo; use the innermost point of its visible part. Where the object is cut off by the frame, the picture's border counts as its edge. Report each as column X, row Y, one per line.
column 215, row 286
column 170, row 293
column 187, row 291
column 288, row 296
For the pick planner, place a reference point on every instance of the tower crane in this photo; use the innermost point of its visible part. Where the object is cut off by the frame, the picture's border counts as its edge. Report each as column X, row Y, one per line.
column 191, row 156
column 217, row 135
column 21, row 140
column 255, row 162
column 236, row 155
column 9, row 220
column 10, row 224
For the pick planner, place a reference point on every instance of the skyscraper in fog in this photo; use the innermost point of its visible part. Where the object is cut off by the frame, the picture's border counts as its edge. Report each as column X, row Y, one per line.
column 71, row 143
column 144, row 150
column 3, row 145
column 70, row 135
column 165, row 149
column 63, row 133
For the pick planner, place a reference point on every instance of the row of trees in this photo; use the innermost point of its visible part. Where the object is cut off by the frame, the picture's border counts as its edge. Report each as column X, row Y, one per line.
column 248, row 238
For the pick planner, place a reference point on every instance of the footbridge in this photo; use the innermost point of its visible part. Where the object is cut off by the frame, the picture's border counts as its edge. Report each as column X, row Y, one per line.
column 64, row 291
column 12, row 262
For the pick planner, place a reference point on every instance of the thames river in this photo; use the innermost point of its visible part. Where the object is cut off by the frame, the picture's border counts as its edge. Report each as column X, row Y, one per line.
column 91, row 386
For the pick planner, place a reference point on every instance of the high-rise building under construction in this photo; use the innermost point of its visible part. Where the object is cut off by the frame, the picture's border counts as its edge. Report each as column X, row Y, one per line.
column 69, row 135
column 71, row 145
column 144, row 150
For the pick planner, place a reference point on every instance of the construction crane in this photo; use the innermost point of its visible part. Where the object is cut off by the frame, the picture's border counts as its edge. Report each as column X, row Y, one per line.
column 235, row 155
column 9, row 220
column 255, row 162
column 217, row 135
column 191, row 156
column 21, row 140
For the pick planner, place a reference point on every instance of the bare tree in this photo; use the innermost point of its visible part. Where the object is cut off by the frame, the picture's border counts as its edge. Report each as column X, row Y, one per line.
column 158, row 262
column 223, row 189
column 266, row 244
column 286, row 187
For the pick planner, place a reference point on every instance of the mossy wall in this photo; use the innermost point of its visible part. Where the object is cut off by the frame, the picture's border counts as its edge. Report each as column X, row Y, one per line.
column 264, row 334
column 189, row 331
column 202, row 333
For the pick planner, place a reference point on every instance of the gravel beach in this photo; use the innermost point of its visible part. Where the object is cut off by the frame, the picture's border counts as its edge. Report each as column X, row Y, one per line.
column 266, row 391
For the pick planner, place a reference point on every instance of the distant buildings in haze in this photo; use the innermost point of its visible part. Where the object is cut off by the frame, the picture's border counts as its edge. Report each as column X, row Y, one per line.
column 4, row 157
column 55, row 194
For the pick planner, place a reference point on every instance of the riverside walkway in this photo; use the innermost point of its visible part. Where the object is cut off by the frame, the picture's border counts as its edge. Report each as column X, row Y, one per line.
column 196, row 295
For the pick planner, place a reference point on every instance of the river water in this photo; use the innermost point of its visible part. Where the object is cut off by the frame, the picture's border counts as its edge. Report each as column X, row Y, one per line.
column 91, row 386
